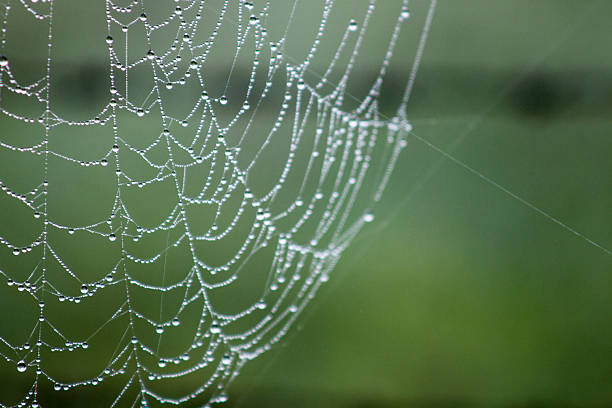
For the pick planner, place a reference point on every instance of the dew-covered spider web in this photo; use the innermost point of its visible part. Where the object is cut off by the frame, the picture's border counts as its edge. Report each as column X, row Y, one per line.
column 156, row 238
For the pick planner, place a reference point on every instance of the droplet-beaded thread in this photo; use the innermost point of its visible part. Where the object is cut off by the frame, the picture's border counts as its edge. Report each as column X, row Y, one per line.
column 208, row 160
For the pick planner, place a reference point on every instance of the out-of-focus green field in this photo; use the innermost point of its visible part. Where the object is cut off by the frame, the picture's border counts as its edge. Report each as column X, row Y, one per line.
column 461, row 294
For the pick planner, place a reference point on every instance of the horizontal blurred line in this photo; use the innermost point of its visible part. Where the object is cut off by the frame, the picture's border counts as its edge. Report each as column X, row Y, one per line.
column 438, row 90
column 542, row 93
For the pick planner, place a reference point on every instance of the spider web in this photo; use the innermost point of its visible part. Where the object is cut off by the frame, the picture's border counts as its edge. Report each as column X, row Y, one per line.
column 178, row 232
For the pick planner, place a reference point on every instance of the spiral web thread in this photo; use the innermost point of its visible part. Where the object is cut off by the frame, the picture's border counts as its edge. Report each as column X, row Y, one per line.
column 342, row 157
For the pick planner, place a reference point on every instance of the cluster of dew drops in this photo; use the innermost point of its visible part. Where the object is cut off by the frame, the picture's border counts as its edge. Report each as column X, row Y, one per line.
column 88, row 289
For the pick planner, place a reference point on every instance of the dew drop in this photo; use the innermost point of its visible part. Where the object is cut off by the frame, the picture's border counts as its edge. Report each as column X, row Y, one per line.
column 21, row 366
column 223, row 100
column 159, row 329
column 368, row 217
column 112, row 237
column 109, row 40
column 353, row 25
column 84, row 289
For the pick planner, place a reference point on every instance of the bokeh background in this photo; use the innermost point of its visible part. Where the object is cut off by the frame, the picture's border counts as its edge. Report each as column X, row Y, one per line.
column 461, row 295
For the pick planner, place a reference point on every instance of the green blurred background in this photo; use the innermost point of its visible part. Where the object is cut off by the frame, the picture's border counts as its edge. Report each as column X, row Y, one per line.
column 460, row 295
